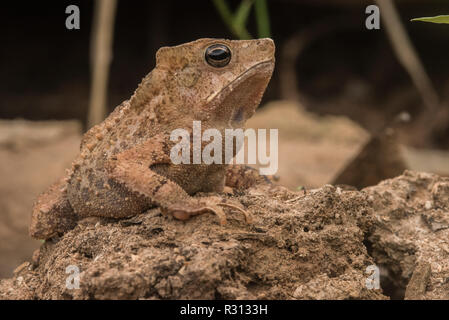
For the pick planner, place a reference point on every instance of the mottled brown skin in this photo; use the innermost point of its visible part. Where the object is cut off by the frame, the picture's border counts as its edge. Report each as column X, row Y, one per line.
column 124, row 164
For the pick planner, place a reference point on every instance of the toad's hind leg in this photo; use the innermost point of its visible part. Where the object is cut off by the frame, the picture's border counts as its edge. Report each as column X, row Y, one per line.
column 52, row 213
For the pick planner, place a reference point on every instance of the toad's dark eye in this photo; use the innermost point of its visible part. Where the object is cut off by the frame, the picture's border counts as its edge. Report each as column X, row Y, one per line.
column 218, row 55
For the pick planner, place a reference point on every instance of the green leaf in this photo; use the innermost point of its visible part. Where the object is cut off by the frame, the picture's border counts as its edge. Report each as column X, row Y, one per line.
column 229, row 18
column 242, row 13
column 263, row 20
column 240, row 18
column 436, row 19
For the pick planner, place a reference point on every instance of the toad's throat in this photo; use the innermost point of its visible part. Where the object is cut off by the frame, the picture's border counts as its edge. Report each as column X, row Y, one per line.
column 237, row 101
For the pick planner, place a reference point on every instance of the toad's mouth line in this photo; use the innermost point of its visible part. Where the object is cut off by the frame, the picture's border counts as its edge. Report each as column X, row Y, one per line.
column 267, row 64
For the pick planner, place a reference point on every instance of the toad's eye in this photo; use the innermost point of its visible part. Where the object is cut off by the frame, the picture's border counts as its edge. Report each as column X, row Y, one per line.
column 218, row 55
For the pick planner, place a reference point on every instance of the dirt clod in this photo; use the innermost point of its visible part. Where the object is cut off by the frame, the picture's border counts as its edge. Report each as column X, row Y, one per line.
column 317, row 246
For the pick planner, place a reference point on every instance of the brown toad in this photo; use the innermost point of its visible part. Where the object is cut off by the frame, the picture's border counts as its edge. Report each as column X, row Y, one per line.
column 124, row 164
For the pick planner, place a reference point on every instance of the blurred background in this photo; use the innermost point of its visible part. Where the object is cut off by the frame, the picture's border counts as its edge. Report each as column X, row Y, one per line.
column 353, row 106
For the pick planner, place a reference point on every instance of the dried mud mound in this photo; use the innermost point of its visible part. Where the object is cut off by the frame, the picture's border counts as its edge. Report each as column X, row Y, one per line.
column 410, row 240
column 313, row 245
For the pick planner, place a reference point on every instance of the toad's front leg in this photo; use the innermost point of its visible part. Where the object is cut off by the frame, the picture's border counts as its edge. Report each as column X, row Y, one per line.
column 132, row 169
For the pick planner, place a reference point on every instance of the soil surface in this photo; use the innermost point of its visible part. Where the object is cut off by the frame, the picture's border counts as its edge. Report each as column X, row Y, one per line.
column 301, row 245
column 409, row 238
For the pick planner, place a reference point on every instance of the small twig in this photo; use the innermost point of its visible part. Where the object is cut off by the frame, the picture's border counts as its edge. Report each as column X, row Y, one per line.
column 294, row 199
column 407, row 55
column 101, row 56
